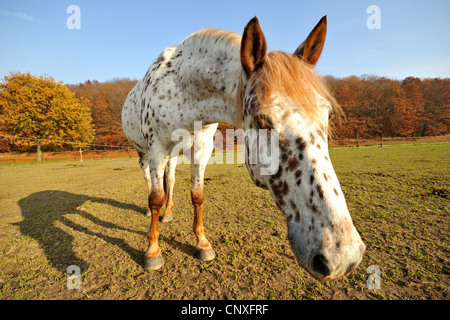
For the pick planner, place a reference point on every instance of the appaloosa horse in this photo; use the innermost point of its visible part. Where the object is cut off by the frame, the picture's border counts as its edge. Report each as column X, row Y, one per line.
column 217, row 76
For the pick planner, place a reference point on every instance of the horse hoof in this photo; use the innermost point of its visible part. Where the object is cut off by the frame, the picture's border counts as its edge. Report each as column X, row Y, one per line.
column 154, row 263
column 206, row 254
column 165, row 219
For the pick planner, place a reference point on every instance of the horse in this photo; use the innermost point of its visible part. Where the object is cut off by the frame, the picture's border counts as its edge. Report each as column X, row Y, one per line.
column 217, row 76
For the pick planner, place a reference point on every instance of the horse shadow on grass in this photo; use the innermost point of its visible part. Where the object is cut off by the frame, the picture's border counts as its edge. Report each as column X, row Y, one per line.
column 43, row 211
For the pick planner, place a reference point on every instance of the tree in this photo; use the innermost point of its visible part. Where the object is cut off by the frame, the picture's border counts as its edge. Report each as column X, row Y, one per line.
column 106, row 101
column 437, row 106
column 416, row 103
column 379, row 106
column 44, row 112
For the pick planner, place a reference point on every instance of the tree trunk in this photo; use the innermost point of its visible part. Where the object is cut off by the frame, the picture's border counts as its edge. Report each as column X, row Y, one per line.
column 357, row 138
column 39, row 150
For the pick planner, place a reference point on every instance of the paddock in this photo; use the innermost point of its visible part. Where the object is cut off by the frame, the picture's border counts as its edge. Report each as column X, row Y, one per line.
column 58, row 214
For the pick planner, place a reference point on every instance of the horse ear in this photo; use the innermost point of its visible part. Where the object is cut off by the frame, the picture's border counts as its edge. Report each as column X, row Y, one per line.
column 311, row 48
column 253, row 47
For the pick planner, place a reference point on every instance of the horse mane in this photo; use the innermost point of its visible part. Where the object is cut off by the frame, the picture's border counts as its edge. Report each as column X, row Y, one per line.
column 282, row 74
column 232, row 38
column 289, row 77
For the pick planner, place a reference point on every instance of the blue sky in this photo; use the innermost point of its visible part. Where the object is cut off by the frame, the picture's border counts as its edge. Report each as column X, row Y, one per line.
column 121, row 38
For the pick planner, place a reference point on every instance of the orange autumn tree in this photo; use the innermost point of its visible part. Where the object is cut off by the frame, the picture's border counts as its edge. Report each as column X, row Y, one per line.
column 44, row 112
column 105, row 101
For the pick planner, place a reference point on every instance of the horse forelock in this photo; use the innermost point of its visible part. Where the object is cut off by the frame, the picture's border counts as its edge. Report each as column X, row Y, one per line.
column 294, row 82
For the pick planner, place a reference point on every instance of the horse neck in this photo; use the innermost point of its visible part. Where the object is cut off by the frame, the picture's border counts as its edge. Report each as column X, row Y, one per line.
column 209, row 75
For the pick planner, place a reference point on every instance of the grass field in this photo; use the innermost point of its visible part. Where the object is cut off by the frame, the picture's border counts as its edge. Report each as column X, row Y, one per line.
column 90, row 214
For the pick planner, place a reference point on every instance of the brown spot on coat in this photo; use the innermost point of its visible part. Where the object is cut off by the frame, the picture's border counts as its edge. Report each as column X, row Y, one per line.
column 285, row 188
column 278, row 174
column 319, row 191
column 293, row 164
column 301, row 144
column 312, row 137
column 336, row 192
column 297, row 216
column 293, row 205
column 320, row 133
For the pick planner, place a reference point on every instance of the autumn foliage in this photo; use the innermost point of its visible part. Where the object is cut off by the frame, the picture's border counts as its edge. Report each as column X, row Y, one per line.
column 373, row 106
column 37, row 113
column 106, row 101
column 377, row 106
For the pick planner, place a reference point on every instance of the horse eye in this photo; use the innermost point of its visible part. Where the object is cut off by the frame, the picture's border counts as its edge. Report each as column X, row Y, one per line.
column 330, row 114
column 264, row 122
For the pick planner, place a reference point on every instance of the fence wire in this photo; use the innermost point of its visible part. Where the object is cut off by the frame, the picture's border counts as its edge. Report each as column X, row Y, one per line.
column 121, row 147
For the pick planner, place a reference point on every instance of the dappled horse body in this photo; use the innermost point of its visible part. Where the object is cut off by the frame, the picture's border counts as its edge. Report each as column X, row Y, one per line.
column 217, row 76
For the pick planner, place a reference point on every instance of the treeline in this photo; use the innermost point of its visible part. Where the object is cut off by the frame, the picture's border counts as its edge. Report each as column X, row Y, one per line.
column 373, row 106
column 105, row 99
column 377, row 106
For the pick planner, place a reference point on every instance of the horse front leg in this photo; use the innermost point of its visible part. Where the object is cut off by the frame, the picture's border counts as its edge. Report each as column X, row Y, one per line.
column 156, row 199
column 204, row 249
column 205, row 252
column 143, row 163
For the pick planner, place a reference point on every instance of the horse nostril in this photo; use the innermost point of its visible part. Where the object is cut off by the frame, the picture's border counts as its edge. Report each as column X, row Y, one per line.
column 319, row 265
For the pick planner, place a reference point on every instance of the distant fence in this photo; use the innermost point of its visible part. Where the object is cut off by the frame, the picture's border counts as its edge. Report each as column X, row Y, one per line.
column 130, row 152
column 387, row 140
column 68, row 155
